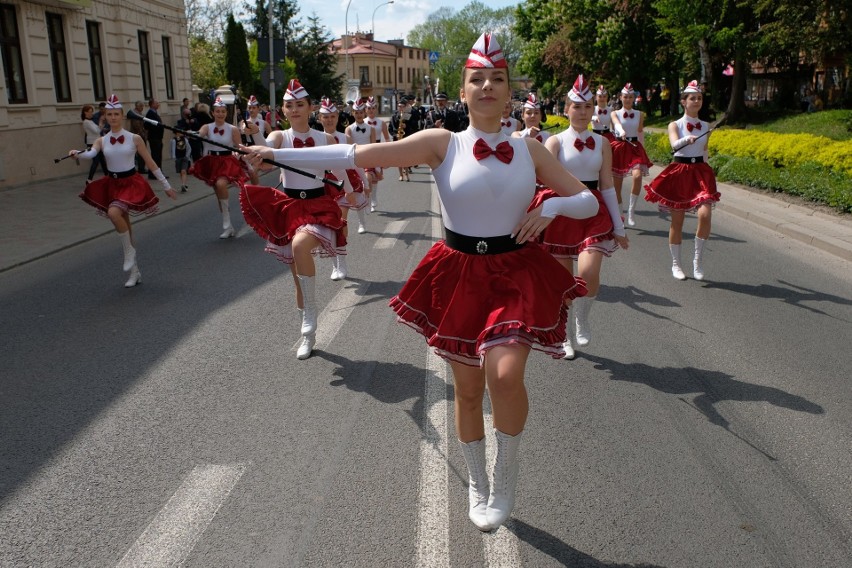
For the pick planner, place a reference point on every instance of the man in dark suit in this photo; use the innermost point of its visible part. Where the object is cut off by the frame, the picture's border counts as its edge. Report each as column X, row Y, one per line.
column 155, row 134
column 443, row 117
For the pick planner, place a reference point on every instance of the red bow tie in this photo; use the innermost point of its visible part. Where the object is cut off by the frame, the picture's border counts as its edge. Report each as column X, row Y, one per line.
column 690, row 126
column 580, row 145
column 299, row 143
column 602, row 111
column 539, row 138
column 504, row 151
column 256, row 123
column 113, row 139
column 372, row 122
column 217, row 131
column 629, row 115
column 507, row 123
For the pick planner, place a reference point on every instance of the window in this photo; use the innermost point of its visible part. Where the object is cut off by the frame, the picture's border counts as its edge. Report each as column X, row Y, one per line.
column 364, row 72
column 145, row 65
column 411, row 54
column 13, row 64
column 167, row 67
column 93, row 32
column 399, row 74
column 58, row 59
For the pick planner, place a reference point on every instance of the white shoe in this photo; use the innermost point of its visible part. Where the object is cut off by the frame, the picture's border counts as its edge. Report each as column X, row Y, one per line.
column 361, row 229
column 306, row 346
column 502, row 499
column 569, row 351
column 129, row 260
column 477, row 483
column 631, row 222
column 373, row 207
column 583, row 334
column 135, row 277
column 335, row 274
column 697, row 270
column 342, row 269
column 227, row 233
column 309, row 313
column 677, row 272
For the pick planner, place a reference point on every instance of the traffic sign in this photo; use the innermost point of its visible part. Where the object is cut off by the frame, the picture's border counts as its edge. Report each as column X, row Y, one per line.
column 433, row 56
column 276, row 71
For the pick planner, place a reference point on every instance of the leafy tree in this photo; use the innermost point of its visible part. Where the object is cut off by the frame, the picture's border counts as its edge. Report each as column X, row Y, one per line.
column 452, row 34
column 284, row 23
column 237, row 66
column 315, row 63
column 206, row 18
column 207, row 62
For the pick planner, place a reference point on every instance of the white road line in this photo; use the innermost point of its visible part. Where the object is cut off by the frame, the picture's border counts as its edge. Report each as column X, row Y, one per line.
column 391, row 235
column 433, row 526
column 171, row 536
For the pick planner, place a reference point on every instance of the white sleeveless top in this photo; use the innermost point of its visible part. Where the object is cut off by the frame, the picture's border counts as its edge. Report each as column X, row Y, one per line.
column 585, row 164
column 292, row 180
column 258, row 139
column 541, row 136
column 629, row 124
column 226, row 138
column 698, row 148
column 604, row 118
column 484, row 198
column 359, row 137
column 378, row 125
column 121, row 156
column 508, row 125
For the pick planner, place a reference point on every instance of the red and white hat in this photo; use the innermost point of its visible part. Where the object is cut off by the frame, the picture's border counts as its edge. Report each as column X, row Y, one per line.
column 692, row 87
column 327, row 106
column 295, row 91
column 219, row 103
column 113, row 102
column 627, row 89
column 253, row 101
column 360, row 104
column 580, row 92
column 486, row 53
column 531, row 102
column 601, row 90
column 371, row 102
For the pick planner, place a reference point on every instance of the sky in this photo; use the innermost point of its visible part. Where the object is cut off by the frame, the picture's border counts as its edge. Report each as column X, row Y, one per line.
column 393, row 21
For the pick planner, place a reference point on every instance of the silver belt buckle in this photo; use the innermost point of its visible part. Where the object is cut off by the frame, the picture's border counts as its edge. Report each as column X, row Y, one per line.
column 114, row 175
column 692, row 160
column 481, row 247
column 303, row 195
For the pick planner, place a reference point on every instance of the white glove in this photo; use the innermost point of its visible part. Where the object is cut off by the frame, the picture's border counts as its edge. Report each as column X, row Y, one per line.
column 158, row 173
column 580, row 206
column 330, row 157
column 611, row 201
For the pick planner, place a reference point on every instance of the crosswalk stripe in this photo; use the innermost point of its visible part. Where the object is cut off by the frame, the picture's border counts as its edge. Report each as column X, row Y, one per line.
column 391, row 235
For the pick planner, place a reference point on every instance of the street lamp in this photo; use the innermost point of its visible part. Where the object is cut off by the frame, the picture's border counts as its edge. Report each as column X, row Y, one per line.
column 345, row 44
column 373, row 45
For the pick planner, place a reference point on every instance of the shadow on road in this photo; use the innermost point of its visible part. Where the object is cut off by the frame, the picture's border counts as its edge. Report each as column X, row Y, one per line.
column 560, row 551
column 793, row 294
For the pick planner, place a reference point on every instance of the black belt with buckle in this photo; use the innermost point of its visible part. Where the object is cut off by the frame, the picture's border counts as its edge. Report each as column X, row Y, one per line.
column 685, row 160
column 591, row 184
column 632, row 138
column 127, row 174
column 480, row 245
column 219, row 153
column 304, row 193
column 600, row 131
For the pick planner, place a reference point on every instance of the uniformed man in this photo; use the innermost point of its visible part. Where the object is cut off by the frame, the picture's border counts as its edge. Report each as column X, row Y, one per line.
column 443, row 117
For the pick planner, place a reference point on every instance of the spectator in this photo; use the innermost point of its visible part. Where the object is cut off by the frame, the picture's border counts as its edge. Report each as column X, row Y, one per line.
column 155, row 134
column 665, row 101
column 91, row 132
column 137, row 126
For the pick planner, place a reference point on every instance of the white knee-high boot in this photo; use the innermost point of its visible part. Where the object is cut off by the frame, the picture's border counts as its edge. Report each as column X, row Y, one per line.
column 374, row 198
column 677, row 272
column 630, row 220
column 569, row 331
column 335, row 273
column 309, row 314
column 307, row 344
column 583, row 307
column 342, row 268
column 697, row 269
column 129, row 251
column 362, row 221
column 228, row 229
column 474, row 457
column 502, row 499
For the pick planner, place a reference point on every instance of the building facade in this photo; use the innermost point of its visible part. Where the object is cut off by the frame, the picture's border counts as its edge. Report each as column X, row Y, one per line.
column 384, row 70
column 58, row 55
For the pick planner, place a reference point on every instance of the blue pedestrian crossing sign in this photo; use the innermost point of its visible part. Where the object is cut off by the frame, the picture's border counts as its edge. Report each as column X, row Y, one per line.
column 433, row 56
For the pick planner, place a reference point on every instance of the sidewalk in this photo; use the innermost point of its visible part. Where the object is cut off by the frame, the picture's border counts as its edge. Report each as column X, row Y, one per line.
column 44, row 218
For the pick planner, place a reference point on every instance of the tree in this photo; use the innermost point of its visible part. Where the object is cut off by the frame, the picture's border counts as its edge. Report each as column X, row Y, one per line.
column 452, row 34
column 284, row 24
column 206, row 18
column 237, row 65
column 315, row 63
column 206, row 60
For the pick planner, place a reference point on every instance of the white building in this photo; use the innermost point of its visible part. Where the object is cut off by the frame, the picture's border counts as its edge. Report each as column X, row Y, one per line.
column 58, row 55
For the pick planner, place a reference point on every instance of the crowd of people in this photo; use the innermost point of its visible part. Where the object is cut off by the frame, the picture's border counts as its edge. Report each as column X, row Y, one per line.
column 520, row 206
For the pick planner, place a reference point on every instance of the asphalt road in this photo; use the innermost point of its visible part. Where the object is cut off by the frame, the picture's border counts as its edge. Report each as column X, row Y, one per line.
column 709, row 424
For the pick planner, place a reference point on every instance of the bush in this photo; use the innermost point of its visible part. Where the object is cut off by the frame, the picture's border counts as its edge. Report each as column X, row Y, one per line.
column 556, row 124
column 784, row 149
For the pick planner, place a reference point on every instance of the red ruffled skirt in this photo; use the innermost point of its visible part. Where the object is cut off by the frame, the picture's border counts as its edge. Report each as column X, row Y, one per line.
column 629, row 155
column 210, row 168
column 277, row 217
column 465, row 304
column 683, row 187
column 567, row 238
column 133, row 194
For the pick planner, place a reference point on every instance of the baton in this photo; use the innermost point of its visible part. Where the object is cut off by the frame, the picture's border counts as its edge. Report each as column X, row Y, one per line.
column 57, row 160
column 710, row 129
column 137, row 116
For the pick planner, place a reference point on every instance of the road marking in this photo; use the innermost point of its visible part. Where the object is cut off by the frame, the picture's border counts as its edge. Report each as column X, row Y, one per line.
column 171, row 536
column 391, row 235
column 433, row 526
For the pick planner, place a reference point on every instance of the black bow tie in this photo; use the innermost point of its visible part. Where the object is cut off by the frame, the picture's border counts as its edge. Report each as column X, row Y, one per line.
column 359, row 129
